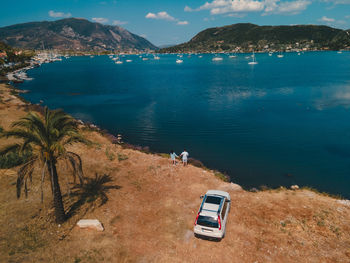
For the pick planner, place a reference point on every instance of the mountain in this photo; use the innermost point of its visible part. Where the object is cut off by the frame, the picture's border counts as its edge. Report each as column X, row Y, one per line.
column 167, row 45
column 248, row 37
column 72, row 34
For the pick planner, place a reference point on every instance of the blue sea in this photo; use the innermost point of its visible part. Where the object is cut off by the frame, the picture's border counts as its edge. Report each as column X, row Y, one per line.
column 283, row 121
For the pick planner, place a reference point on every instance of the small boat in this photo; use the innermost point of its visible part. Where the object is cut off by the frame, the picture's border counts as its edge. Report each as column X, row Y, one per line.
column 128, row 60
column 280, row 55
column 200, row 56
column 144, row 59
column 119, row 62
column 298, row 53
column 253, row 62
column 217, row 59
column 179, row 61
column 157, row 58
column 232, row 56
column 91, row 56
column 270, row 54
column 339, row 52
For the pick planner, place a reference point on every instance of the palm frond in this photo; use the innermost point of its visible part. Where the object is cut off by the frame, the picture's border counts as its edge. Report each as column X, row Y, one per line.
column 26, row 146
column 34, row 124
column 76, row 163
column 10, row 148
column 58, row 119
column 22, row 174
column 25, row 135
column 76, row 138
column 42, row 182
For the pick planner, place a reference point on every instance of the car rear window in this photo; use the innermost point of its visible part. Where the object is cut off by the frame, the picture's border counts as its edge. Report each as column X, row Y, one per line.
column 207, row 221
column 213, row 200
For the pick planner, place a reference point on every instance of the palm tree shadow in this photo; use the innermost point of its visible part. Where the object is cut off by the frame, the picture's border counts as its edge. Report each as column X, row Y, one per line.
column 92, row 191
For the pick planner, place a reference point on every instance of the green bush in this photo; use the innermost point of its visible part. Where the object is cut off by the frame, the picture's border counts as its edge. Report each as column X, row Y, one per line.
column 196, row 163
column 110, row 155
column 222, row 176
column 122, row 157
column 13, row 159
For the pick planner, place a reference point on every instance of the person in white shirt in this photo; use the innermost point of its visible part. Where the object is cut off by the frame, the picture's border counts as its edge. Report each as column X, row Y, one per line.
column 184, row 156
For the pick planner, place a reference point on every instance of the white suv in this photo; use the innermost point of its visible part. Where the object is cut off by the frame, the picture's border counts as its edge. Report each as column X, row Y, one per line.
column 212, row 215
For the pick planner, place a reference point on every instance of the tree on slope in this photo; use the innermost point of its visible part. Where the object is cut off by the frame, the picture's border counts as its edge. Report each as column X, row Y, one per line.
column 47, row 139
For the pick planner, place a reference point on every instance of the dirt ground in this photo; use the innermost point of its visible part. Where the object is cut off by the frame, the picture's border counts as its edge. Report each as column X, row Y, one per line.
column 151, row 209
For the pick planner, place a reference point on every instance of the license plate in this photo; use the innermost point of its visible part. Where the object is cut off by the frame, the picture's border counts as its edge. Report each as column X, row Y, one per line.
column 207, row 230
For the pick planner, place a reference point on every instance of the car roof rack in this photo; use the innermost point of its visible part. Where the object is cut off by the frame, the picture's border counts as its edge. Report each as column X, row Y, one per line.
column 220, row 205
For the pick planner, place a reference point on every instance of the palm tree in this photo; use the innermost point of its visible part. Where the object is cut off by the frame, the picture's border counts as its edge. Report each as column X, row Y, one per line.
column 47, row 139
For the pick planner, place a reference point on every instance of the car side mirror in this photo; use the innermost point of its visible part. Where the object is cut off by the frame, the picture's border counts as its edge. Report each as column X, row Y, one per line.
column 228, row 201
column 201, row 197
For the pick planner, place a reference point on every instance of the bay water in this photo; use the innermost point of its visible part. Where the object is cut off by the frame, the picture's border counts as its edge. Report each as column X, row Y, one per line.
column 280, row 122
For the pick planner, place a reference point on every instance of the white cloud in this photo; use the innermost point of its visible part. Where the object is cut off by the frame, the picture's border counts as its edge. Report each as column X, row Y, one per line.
column 237, row 15
column 59, row 14
column 233, row 7
column 100, row 20
column 331, row 21
column 238, row 6
column 337, row 2
column 293, row 7
column 206, row 19
column 188, row 9
column 228, row 6
column 119, row 23
column 165, row 16
column 326, row 19
column 160, row 15
column 182, row 23
column 287, row 8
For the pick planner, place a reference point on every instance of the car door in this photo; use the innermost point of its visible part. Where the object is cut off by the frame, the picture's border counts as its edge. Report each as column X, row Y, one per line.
column 224, row 213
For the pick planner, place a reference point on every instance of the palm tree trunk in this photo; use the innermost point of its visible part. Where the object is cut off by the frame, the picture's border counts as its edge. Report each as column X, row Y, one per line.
column 57, row 196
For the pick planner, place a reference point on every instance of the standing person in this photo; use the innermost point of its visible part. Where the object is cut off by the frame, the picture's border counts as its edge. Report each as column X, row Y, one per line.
column 173, row 157
column 184, row 156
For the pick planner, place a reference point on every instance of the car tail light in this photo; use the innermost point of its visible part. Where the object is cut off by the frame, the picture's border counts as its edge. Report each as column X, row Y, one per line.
column 195, row 222
column 219, row 221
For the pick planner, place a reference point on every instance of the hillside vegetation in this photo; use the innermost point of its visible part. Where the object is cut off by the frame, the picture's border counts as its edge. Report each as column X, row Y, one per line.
column 247, row 37
column 13, row 58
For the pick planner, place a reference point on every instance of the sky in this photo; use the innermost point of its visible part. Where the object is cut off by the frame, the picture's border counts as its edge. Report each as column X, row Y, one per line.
column 166, row 22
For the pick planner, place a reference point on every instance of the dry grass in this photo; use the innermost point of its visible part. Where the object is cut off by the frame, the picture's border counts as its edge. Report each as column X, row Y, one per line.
column 150, row 212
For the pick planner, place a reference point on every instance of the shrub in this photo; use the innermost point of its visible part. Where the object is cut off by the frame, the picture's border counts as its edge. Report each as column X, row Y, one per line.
column 222, row 176
column 122, row 157
column 144, row 149
column 196, row 163
column 164, row 155
column 13, row 159
column 110, row 155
